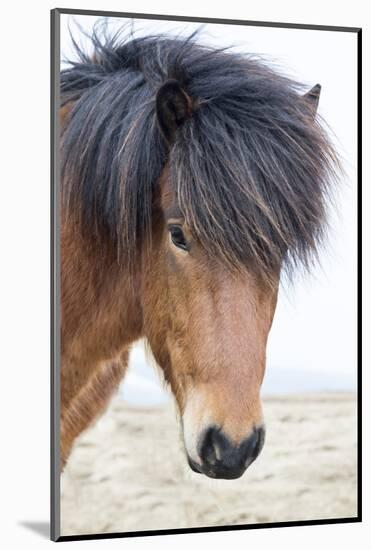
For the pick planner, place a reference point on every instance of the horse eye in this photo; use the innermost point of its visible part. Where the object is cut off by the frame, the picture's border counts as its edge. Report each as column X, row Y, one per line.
column 178, row 238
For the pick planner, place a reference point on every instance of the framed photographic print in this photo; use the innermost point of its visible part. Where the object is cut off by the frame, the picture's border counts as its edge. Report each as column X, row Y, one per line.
column 205, row 191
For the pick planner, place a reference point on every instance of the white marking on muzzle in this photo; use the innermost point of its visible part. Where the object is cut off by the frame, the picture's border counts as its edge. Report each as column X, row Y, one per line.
column 195, row 419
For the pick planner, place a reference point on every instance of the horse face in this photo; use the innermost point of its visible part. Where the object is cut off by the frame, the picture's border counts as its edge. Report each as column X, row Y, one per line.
column 208, row 330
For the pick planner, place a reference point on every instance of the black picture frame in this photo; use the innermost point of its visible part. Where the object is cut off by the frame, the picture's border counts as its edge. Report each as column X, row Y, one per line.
column 55, row 276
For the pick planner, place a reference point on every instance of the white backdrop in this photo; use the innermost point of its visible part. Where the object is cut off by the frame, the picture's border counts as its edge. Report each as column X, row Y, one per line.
column 312, row 345
column 25, row 299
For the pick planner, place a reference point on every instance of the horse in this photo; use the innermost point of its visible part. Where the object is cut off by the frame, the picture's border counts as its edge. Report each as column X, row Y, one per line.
column 192, row 178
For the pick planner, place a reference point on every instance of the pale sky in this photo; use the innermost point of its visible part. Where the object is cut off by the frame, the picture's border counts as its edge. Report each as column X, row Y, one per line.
column 314, row 330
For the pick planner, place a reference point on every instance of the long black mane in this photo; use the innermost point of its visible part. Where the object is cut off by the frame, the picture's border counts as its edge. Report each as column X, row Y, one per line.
column 251, row 168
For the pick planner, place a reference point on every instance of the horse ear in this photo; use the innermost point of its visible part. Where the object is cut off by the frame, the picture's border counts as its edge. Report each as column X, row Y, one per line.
column 173, row 107
column 312, row 98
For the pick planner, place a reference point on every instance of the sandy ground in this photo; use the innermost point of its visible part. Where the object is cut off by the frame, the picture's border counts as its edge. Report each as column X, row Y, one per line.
column 129, row 472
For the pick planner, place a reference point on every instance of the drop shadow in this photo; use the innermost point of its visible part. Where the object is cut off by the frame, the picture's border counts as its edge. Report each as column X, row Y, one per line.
column 42, row 528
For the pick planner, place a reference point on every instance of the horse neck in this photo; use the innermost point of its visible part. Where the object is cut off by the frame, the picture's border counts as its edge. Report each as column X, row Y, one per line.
column 101, row 312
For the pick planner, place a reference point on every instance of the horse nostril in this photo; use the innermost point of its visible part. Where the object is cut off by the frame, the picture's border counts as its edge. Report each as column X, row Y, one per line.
column 254, row 445
column 210, row 447
column 221, row 458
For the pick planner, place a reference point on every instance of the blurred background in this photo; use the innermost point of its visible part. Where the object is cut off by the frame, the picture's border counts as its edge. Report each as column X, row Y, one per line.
column 311, row 372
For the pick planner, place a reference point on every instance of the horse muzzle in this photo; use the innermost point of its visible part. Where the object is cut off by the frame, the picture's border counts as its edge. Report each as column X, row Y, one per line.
column 220, row 458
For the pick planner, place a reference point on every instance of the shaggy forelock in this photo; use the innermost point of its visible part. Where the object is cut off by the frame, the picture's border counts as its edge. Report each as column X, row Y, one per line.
column 251, row 168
